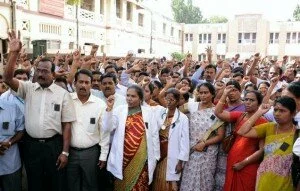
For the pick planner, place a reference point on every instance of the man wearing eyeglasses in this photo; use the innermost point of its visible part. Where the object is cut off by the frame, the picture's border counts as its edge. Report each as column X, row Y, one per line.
column 49, row 111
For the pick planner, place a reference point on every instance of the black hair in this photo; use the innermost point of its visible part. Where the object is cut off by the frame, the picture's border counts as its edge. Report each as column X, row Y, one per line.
column 264, row 82
column 257, row 94
column 235, row 84
column 174, row 92
column 151, row 87
column 96, row 73
column 1, row 77
column 211, row 66
column 110, row 66
column 21, row 72
column 143, row 74
column 288, row 103
column 62, row 79
column 120, row 69
column 238, row 70
column 238, row 74
column 210, row 87
column 186, row 96
column 85, row 72
column 251, row 85
column 48, row 60
column 108, row 75
column 176, row 73
column 165, row 71
column 138, row 90
column 294, row 88
column 157, row 83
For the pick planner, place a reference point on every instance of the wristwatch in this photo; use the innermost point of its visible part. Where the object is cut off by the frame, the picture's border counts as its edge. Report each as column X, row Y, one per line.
column 65, row 153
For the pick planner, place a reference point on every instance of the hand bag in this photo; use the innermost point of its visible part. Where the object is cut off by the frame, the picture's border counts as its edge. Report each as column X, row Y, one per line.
column 229, row 140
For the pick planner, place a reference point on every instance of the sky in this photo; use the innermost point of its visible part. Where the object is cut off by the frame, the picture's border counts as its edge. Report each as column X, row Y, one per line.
column 272, row 10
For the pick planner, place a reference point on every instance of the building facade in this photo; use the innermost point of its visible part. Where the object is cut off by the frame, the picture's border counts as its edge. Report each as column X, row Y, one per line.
column 245, row 34
column 117, row 26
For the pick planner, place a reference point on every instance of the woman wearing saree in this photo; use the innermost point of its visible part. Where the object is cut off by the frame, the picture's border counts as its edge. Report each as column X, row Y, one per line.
column 244, row 156
column 135, row 147
column 199, row 171
column 174, row 137
column 274, row 172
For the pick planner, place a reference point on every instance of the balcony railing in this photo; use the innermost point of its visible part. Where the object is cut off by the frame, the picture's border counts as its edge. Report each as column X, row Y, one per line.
column 83, row 15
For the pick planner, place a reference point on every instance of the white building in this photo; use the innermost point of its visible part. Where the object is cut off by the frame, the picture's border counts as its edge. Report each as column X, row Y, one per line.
column 116, row 25
column 246, row 34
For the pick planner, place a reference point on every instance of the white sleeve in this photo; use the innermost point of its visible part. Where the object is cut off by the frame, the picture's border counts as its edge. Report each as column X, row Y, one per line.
column 296, row 147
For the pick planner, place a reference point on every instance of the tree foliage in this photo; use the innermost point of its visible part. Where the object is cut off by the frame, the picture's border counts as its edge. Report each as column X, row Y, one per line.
column 185, row 12
column 74, row 2
column 217, row 19
column 296, row 13
column 178, row 56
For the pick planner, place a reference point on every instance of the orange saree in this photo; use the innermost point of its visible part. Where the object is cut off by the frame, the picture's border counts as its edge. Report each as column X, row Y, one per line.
column 135, row 169
column 244, row 179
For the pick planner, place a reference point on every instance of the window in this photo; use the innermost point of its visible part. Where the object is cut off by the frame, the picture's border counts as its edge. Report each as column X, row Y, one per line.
column 247, row 38
column 191, row 37
column 288, row 37
column 119, row 8
column 208, row 38
column 179, row 34
column 53, row 44
column 240, row 38
column 26, row 42
column 141, row 19
column 201, row 57
column 253, row 38
column 164, row 28
column 186, row 37
column 274, row 38
column 129, row 11
column 221, row 57
column 298, row 37
column 102, row 7
column 172, row 31
column 224, row 38
column 204, row 38
column 294, row 36
column 88, row 5
column 71, row 45
column 221, row 38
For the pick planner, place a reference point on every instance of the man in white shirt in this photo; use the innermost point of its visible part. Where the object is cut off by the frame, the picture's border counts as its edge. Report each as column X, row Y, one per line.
column 86, row 137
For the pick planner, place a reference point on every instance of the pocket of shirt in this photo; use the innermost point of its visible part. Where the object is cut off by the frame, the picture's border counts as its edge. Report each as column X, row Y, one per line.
column 92, row 125
column 7, row 128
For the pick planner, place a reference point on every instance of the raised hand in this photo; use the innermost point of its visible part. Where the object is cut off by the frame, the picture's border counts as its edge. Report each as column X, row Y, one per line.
column 94, row 49
column 274, row 81
column 245, row 79
column 14, row 44
column 76, row 55
column 263, row 108
column 110, row 102
column 170, row 82
column 228, row 89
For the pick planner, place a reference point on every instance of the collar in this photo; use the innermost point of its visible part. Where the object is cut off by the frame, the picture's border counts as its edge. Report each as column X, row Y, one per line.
column 51, row 87
column 91, row 99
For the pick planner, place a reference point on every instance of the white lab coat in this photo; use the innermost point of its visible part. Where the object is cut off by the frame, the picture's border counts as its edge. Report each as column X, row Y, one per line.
column 116, row 120
column 179, row 142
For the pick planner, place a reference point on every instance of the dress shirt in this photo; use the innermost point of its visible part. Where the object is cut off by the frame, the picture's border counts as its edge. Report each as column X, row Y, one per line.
column 11, row 121
column 119, row 99
column 86, row 129
column 45, row 108
column 8, row 96
column 120, row 89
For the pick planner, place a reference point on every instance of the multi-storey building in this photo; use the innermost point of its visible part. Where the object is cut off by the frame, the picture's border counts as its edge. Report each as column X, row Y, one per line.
column 117, row 26
column 246, row 35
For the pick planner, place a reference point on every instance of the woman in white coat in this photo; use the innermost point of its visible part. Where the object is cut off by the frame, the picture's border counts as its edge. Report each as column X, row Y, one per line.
column 135, row 146
column 174, row 143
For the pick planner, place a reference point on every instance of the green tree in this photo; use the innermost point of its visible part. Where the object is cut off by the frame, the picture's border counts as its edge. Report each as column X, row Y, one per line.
column 178, row 56
column 186, row 12
column 296, row 13
column 74, row 2
column 217, row 19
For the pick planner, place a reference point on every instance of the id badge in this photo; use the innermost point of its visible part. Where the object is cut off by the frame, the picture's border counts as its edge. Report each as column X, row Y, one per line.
column 6, row 131
column 284, row 146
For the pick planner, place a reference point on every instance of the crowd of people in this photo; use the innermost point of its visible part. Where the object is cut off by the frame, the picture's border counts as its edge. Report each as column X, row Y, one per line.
column 80, row 122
